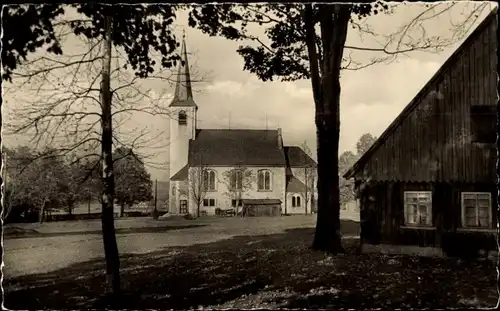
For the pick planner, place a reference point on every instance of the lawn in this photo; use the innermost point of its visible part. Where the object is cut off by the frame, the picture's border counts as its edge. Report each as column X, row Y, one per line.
column 262, row 270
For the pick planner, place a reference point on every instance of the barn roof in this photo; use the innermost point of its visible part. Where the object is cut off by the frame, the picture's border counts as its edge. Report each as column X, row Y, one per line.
column 451, row 61
column 224, row 147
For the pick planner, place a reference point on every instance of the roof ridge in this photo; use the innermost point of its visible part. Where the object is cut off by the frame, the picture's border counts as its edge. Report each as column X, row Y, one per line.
column 414, row 103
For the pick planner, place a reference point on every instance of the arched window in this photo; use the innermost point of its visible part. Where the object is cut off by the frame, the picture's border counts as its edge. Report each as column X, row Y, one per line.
column 236, row 179
column 209, row 180
column 182, row 117
column 264, row 180
column 296, row 200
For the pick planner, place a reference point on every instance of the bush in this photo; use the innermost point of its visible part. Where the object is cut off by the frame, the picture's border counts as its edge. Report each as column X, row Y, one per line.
column 189, row 217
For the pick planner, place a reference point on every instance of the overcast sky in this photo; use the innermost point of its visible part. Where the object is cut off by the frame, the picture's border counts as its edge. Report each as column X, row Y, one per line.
column 371, row 98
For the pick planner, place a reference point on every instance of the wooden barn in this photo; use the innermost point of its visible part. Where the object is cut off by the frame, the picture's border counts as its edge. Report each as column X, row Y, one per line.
column 428, row 184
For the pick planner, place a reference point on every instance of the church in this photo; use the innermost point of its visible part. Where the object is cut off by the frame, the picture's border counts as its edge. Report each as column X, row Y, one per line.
column 214, row 170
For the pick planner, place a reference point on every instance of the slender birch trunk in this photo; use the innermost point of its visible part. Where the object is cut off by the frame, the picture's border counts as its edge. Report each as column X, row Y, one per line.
column 107, row 217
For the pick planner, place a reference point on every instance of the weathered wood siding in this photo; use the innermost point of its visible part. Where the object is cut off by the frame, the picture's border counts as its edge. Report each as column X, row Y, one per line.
column 387, row 202
column 433, row 142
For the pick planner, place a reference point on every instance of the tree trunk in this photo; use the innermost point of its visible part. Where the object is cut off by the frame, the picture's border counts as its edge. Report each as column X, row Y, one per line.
column 41, row 212
column 122, row 210
column 334, row 20
column 107, row 216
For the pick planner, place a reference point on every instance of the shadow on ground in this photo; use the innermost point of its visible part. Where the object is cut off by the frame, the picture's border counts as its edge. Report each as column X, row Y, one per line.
column 23, row 234
column 278, row 270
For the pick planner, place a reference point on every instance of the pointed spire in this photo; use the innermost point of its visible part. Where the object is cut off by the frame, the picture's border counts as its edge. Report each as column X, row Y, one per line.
column 183, row 96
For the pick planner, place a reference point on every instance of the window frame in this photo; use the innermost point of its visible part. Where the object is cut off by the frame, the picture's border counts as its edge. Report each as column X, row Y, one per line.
column 296, row 200
column 261, row 186
column 406, row 207
column 490, row 206
column 236, row 180
column 182, row 117
column 205, row 187
column 480, row 116
column 207, row 201
column 233, row 203
column 182, row 206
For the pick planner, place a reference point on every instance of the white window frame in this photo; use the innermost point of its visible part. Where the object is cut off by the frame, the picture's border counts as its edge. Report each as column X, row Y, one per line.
column 429, row 208
column 206, row 181
column 294, row 200
column 236, row 180
column 208, row 202
column 490, row 216
column 263, row 173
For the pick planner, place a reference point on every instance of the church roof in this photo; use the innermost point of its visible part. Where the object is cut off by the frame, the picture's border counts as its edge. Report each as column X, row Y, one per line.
column 183, row 96
column 296, row 157
column 294, row 185
column 233, row 147
column 182, row 174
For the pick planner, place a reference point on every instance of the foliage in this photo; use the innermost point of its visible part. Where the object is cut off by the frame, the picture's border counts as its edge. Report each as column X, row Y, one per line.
column 133, row 183
column 286, row 57
column 39, row 180
column 139, row 29
column 365, row 142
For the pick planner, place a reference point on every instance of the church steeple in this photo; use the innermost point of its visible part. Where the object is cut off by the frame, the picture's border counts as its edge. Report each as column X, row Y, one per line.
column 183, row 96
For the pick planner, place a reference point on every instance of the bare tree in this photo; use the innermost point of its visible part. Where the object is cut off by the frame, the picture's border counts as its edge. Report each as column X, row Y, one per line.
column 308, row 41
column 198, row 182
column 308, row 172
column 238, row 181
column 80, row 102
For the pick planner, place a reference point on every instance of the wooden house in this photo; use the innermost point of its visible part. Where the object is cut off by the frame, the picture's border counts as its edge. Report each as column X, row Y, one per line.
column 428, row 184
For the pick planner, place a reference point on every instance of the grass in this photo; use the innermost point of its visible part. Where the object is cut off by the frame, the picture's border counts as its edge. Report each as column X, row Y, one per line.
column 263, row 271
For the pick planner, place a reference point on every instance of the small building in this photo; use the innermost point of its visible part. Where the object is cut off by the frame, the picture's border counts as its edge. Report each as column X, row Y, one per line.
column 428, row 184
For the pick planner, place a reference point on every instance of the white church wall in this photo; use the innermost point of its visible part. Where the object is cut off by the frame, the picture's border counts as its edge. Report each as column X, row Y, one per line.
column 179, row 138
column 222, row 195
column 297, row 210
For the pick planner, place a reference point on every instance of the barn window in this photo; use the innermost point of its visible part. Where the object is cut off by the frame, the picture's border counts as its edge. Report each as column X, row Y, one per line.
column 208, row 202
column 483, row 124
column 182, row 117
column 418, row 208
column 209, row 180
column 296, row 201
column 235, row 203
column 236, row 180
column 476, row 209
column 264, row 180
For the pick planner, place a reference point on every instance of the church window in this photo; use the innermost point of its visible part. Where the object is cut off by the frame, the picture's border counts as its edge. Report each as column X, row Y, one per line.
column 236, row 180
column 296, row 201
column 209, row 180
column 182, row 117
column 264, row 180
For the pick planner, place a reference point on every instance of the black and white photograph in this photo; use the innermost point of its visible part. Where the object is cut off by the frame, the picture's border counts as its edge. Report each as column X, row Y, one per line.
column 253, row 155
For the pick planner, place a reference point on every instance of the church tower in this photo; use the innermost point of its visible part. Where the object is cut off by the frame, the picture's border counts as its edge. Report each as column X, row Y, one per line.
column 182, row 116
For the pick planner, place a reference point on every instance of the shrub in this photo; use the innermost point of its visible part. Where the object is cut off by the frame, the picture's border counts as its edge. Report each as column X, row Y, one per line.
column 189, row 217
